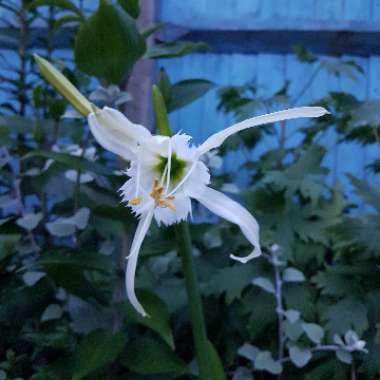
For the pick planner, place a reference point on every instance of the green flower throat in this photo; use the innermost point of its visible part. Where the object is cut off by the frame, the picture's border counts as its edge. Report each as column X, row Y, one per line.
column 177, row 167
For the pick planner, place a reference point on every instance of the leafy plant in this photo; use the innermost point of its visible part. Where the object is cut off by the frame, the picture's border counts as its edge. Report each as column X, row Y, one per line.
column 302, row 311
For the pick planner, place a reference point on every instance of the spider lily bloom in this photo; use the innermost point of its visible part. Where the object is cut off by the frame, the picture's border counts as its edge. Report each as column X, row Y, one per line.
column 167, row 172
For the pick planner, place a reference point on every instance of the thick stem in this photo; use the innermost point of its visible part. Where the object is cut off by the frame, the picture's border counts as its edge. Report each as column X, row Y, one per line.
column 194, row 300
column 201, row 343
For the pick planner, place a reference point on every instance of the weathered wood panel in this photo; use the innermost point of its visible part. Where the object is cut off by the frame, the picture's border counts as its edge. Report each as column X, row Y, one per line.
column 269, row 71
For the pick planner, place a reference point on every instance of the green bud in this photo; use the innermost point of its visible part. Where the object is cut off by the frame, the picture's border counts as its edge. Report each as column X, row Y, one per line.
column 162, row 120
column 64, row 86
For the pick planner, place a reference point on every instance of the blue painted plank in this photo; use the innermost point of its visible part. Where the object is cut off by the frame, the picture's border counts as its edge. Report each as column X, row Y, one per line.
column 298, row 74
column 357, row 9
column 328, row 10
column 301, row 9
column 375, row 10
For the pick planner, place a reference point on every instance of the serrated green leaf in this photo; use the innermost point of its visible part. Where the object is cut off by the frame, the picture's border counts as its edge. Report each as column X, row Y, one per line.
column 230, row 280
column 346, row 314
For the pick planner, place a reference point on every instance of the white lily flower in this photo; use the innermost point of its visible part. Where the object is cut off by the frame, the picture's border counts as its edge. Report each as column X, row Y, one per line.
column 167, row 172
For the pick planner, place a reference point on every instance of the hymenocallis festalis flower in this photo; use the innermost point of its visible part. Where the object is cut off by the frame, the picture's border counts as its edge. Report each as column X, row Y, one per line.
column 166, row 172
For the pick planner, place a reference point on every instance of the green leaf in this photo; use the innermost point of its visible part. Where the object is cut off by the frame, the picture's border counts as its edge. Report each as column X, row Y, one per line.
column 146, row 356
column 248, row 351
column 62, row 227
column 344, row 356
column 293, row 330
column 346, row 314
column 215, row 364
column 264, row 361
column 74, row 162
column 265, row 284
column 231, row 280
column 78, row 260
column 299, row 356
column 152, row 29
column 97, row 350
column 334, row 284
column 29, row 221
column 174, row 49
column 314, row 332
column 187, row 91
column 59, row 22
column 59, row 264
column 296, row 177
column 330, row 370
column 131, row 7
column 302, row 54
column 369, row 194
column 108, row 44
column 158, row 319
column 292, row 315
column 339, row 67
column 293, row 275
column 52, row 312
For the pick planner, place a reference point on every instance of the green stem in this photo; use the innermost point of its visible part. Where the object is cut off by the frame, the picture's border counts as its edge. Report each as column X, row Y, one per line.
column 194, row 300
column 201, row 343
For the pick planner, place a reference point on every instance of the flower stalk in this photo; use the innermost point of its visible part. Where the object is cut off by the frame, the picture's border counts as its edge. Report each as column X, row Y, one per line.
column 194, row 300
column 186, row 253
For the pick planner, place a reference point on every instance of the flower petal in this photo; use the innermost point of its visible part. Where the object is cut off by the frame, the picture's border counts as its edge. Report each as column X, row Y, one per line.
column 221, row 205
column 217, row 139
column 140, row 233
column 116, row 133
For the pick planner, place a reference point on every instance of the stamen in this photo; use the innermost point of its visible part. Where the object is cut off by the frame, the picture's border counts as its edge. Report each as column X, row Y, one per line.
column 135, row 201
column 156, row 194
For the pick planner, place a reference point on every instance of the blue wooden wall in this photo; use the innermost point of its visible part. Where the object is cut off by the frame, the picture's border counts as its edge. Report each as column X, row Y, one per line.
column 270, row 71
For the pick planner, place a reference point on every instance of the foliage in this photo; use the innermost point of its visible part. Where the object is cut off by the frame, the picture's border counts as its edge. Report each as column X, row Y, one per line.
column 302, row 310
